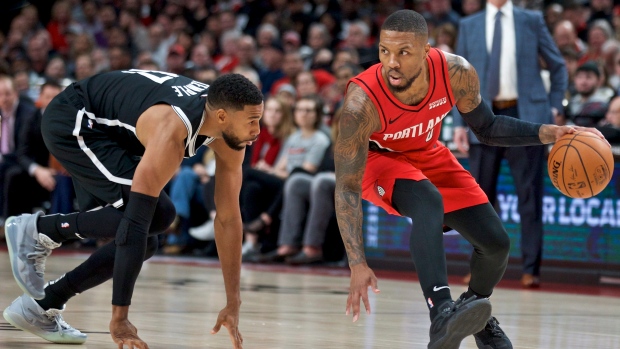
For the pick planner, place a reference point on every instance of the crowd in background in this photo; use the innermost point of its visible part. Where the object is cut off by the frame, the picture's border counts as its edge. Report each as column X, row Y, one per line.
column 300, row 53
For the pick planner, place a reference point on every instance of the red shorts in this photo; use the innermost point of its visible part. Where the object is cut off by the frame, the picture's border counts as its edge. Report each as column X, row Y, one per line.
column 456, row 185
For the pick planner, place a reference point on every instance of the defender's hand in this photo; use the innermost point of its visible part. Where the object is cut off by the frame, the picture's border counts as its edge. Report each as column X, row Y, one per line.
column 362, row 277
column 125, row 334
column 229, row 317
column 460, row 140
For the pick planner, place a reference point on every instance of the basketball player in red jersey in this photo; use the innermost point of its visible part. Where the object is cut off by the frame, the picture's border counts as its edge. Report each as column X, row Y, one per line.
column 389, row 154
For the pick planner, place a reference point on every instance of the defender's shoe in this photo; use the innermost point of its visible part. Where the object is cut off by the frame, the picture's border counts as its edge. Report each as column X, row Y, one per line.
column 457, row 320
column 492, row 336
column 27, row 315
column 28, row 250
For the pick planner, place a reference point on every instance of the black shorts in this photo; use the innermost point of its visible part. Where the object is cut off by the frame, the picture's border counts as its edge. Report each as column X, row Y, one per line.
column 99, row 165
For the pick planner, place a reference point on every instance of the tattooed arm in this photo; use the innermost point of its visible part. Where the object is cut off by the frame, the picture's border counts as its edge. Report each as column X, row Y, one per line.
column 359, row 119
column 497, row 130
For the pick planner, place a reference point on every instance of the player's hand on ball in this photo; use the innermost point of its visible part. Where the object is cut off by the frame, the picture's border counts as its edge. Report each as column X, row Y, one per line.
column 362, row 277
column 229, row 318
column 563, row 130
column 125, row 334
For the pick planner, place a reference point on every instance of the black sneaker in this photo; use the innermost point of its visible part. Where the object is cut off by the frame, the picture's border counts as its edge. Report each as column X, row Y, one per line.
column 457, row 320
column 492, row 336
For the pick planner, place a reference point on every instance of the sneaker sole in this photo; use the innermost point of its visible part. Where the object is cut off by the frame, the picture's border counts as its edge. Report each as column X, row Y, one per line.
column 19, row 322
column 470, row 319
column 14, row 264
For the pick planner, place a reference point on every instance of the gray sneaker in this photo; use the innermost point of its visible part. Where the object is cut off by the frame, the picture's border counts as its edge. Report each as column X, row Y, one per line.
column 28, row 250
column 27, row 315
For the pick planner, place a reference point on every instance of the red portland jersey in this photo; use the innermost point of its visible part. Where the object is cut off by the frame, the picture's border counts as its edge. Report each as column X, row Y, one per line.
column 404, row 127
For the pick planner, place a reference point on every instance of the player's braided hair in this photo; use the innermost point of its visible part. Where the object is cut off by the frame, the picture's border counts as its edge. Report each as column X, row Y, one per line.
column 233, row 91
column 406, row 21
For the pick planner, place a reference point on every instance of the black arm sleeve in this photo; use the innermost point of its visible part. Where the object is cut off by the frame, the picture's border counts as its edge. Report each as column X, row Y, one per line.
column 131, row 237
column 501, row 130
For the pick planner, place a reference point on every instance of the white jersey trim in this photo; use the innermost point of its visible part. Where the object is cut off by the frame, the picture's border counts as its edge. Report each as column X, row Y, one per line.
column 90, row 154
column 188, row 125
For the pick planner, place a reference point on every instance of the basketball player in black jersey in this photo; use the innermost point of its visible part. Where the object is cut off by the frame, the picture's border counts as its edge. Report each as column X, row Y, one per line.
column 122, row 136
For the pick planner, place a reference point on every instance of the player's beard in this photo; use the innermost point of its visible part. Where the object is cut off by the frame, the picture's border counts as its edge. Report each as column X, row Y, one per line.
column 407, row 83
column 232, row 141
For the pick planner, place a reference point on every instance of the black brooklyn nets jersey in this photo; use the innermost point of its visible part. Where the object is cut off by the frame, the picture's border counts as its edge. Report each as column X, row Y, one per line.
column 114, row 101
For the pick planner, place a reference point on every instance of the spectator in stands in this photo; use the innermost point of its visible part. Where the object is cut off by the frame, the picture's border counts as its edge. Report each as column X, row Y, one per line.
column 277, row 126
column 302, row 152
column 469, row 7
column 564, row 35
column 185, row 193
column 248, row 53
column 600, row 31
column 92, row 23
column 175, row 63
column 60, row 25
column 308, row 202
column 229, row 43
column 17, row 113
column 293, row 65
column 305, row 84
column 610, row 126
column 345, row 56
column 138, row 34
column 63, row 194
column 570, row 59
column 441, row 11
column 358, row 38
column 199, row 57
column 588, row 107
column 553, row 15
column 84, row 67
column 120, row 58
column 271, row 57
column 288, row 94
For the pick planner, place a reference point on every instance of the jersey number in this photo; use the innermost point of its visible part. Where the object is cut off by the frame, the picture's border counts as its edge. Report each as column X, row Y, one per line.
column 153, row 75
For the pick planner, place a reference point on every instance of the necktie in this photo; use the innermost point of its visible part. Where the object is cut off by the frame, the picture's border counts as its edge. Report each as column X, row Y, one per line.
column 5, row 136
column 496, row 52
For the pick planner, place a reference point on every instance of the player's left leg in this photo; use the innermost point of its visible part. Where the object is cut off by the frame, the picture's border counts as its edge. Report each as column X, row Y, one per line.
column 451, row 321
column 481, row 226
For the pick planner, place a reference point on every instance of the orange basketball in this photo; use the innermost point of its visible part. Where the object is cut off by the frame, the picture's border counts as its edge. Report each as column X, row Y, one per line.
column 580, row 165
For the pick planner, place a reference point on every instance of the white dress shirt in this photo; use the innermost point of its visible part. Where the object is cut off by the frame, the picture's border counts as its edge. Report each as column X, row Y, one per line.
column 508, row 58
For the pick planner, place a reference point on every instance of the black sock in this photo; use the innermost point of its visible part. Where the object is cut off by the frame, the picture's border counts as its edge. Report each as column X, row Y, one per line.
column 57, row 293
column 441, row 304
column 435, row 300
column 59, row 227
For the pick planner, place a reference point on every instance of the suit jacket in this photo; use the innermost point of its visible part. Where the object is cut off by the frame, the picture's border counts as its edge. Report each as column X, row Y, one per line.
column 23, row 115
column 30, row 147
column 532, row 40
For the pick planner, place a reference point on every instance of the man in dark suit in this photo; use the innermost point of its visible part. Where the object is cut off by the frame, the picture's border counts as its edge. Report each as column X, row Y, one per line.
column 32, row 175
column 507, row 61
column 15, row 112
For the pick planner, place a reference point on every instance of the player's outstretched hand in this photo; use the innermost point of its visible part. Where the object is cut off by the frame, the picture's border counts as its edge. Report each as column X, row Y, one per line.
column 229, row 318
column 362, row 277
column 125, row 334
column 563, row 130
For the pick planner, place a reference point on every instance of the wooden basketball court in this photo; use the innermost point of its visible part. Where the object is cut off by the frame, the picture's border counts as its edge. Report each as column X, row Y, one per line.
column 176, row 302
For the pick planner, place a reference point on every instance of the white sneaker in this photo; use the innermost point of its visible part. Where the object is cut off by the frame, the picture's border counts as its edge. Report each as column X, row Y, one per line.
column 204, row 232
column 27, row 315
column 28, row 251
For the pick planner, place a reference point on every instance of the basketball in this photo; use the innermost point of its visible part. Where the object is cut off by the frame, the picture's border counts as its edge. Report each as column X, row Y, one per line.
column 580, row 165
